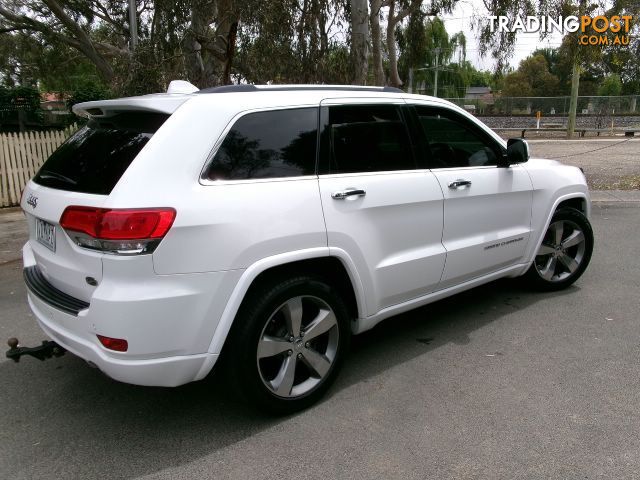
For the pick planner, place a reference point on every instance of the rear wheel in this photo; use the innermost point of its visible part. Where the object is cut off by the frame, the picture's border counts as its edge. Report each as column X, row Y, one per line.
column 288, row 343
column 565, row 251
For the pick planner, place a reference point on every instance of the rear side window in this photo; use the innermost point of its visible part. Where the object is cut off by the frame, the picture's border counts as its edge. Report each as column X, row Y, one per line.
column 96, row 156
column 271, row 144
column 365, row 138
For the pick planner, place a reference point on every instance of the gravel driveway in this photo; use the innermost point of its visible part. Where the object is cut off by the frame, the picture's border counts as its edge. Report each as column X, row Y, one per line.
column 609, row 164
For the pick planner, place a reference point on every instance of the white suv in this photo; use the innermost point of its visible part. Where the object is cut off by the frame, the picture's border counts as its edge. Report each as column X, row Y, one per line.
column 263, row 225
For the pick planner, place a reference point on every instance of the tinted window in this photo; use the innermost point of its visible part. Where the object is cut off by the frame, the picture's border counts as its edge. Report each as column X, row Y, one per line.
column 279, row 143
column 454, row 141
column 365, row 138
column 95, row 157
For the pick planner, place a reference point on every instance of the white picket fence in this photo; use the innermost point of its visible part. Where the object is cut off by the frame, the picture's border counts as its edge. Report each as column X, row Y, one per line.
column 21, row 155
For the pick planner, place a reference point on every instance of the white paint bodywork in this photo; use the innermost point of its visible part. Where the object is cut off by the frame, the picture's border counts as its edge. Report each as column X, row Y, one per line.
column 410, row 241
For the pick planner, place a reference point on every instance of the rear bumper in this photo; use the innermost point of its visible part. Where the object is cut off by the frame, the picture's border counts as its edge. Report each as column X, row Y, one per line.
column 168, row 320
column 160, row 372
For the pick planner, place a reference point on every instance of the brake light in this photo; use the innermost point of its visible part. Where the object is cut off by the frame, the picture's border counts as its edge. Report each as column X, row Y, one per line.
column 117, row 344
column 122, row 231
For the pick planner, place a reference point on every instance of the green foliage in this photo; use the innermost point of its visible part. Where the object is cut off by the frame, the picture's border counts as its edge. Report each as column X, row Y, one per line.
column 516, row 84
column 19, row 58
column 19, row 105
column 293, row 41
column 412, row 42
column 611, row 86
column 425, row 42
column 278, row 43
column 87, row 93
column 478, row 78
column 63, row 70
column 25, row 98
column 140, row 74
column 625, row 62
column 532, row 79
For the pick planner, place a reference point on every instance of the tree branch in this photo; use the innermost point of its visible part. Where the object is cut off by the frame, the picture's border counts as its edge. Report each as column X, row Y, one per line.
column 402, row 14
column 80, row 41
column 13, row 29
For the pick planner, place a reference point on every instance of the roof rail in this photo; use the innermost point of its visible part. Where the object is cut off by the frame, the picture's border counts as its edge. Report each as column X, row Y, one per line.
column 281, row 88
column 230, row 88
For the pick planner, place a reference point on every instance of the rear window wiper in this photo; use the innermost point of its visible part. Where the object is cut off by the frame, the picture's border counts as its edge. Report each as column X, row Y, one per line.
column 56, row 176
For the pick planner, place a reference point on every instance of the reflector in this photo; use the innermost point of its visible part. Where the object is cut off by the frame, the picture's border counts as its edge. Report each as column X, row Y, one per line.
column 117, row 344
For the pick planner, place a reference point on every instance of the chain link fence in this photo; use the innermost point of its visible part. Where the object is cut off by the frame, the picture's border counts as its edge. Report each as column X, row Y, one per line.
column 549, row 106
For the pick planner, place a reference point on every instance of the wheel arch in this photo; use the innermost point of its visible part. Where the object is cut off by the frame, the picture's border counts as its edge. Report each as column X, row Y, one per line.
column 578, row 200
column 335, row 266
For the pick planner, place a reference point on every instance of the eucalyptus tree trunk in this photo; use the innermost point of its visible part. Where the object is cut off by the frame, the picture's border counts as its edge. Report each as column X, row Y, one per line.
column 394, row 77
column 376, row 42
column 359, row 40
column 209, row 51
column 392, row 22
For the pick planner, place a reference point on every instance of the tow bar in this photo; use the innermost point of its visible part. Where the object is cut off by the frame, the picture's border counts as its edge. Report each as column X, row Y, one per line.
column 48, row 349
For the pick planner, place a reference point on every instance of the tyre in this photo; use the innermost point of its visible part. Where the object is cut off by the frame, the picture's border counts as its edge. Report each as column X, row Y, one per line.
column 288, row 342
column 565, row 251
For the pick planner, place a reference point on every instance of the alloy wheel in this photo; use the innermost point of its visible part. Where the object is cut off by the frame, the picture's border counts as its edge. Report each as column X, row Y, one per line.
column 297, row 346
column 562, row 251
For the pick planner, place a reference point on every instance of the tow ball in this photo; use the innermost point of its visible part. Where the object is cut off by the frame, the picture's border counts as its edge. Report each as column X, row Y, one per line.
column 48, row 349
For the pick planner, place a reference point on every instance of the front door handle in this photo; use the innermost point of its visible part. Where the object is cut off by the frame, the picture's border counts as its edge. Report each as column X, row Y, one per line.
column 460, row 183
column 351, row 192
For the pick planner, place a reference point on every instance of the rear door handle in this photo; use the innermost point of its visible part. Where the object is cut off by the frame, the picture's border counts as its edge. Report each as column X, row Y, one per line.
column 351, row 192
column 459, row 183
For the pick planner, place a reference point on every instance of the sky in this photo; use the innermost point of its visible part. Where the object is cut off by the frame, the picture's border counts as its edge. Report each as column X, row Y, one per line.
column 460, row 20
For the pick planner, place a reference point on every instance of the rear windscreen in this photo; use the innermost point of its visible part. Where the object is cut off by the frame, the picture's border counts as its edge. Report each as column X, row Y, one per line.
column 96, row 156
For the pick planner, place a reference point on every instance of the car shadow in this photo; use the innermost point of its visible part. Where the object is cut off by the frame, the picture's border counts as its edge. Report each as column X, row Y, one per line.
column 62, row 415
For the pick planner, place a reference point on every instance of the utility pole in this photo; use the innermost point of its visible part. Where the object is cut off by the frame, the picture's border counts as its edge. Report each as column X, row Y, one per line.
column 573, row 101
column 435, row 68
column 133, row 25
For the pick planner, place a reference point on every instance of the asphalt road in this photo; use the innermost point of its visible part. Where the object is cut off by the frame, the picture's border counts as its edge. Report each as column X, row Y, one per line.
column 497, row 382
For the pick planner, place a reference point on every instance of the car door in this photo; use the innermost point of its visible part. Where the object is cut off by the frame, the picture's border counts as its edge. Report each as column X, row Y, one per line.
column 487, row 208
column 380, row 209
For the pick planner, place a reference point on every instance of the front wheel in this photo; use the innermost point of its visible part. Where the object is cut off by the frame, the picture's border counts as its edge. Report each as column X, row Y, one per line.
column 288, row 343
column 565, row 251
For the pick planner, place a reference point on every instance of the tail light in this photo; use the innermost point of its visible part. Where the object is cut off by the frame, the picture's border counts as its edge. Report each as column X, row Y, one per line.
column 118, row 231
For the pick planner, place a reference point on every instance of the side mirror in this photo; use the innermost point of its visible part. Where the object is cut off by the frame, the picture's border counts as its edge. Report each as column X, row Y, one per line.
column 517, row 151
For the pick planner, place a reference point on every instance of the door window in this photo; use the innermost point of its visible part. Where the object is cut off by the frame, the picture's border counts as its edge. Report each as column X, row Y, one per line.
column 275, row 143
column 365, row 138
column 454, row 141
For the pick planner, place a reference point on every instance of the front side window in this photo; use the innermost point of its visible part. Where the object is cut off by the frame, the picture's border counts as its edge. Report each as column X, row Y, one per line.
column 271, row 144
column 365, row 138
column 454, row 141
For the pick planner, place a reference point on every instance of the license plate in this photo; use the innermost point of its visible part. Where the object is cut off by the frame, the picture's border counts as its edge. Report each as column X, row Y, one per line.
column 46, row 234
